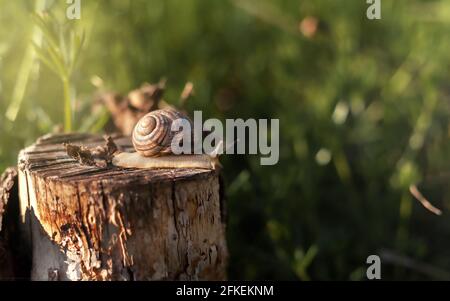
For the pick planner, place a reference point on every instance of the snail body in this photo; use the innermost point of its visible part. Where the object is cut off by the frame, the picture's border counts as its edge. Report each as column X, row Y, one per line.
column 153, row 139
column 134, row 160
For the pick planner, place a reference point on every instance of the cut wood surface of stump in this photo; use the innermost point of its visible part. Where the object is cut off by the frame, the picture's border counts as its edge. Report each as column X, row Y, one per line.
column 94, row 223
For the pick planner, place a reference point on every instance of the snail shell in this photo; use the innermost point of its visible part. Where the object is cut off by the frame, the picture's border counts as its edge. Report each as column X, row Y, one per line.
column 152, row 135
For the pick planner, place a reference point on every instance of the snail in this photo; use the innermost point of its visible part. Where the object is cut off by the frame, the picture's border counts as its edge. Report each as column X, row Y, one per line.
column 153, row 136
column 153, row 139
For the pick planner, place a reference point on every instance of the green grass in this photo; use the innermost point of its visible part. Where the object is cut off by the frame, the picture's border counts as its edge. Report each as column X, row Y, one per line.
column 60, row 53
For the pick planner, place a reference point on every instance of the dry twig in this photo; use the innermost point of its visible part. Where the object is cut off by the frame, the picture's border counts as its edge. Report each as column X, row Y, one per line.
column 100, row 156
column 425, row 203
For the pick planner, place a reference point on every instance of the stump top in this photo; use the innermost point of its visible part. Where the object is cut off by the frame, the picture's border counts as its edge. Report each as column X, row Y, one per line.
column 48, row 158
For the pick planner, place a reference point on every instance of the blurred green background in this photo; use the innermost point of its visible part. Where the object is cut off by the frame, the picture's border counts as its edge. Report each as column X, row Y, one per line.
column 363, row 105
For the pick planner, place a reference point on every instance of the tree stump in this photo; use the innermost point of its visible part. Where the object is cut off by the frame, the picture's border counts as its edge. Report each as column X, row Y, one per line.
column 90, row 223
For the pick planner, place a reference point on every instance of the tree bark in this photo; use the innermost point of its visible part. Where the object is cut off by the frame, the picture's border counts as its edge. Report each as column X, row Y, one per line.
column 91, row 223
column 8, row 194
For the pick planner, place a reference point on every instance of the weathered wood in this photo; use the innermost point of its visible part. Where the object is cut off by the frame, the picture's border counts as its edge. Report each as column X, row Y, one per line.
column 91, row 223
column 14, row 256
column 8, row 190
column 8, row 181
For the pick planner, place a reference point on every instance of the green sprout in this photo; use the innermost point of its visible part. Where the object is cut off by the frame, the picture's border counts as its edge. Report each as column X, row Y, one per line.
column 60, row 51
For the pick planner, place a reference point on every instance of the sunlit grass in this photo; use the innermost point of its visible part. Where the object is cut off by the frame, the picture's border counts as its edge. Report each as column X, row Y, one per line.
column 60, row 52
column 27, row 66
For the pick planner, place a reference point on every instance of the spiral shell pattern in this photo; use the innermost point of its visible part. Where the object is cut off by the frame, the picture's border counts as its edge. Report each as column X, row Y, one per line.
column 152, row 135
